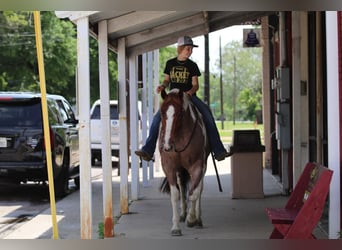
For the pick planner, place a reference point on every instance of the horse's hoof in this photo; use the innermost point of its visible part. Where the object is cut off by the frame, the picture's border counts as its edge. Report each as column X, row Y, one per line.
column 182, row 218
column 197, row 223
column 176, row 232
column 191, row 224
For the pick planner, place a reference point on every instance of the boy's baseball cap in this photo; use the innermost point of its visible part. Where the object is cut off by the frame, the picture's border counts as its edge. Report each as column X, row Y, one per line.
column 186, row 40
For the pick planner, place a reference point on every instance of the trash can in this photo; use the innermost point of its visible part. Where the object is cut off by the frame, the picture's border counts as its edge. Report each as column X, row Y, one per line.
column 247, row 164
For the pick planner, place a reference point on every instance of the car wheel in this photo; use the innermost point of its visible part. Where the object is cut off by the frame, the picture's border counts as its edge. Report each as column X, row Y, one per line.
column 62, row 181
column 77, row 182
column 93, row 160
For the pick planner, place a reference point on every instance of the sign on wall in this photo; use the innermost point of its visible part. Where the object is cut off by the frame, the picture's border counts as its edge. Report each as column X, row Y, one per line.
column 251, row 37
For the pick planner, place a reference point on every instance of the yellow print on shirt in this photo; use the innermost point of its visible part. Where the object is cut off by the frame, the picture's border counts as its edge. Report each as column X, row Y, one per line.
column 179, row 74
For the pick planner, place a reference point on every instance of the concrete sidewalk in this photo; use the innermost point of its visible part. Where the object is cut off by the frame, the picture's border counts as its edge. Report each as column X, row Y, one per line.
column 223, row 217
column 150, row 216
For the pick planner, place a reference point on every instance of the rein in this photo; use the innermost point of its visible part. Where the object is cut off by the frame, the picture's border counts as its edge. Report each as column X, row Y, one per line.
column 192, row 135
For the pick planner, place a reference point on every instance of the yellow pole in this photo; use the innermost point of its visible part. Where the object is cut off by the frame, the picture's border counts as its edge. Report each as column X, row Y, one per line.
column 39, row 45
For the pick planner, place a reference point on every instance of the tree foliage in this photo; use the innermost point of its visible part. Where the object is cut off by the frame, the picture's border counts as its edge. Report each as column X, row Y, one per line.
column 241, row 82
column 165, row 54
column 18, row 54
column 94, row 72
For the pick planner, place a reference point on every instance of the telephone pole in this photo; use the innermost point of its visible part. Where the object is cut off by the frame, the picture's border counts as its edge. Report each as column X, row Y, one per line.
column 221, row 95
column 234, row 91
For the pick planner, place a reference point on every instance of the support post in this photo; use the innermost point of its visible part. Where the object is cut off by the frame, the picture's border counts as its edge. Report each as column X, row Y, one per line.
column 84, row 127
column 123, row 126
column 106, row 135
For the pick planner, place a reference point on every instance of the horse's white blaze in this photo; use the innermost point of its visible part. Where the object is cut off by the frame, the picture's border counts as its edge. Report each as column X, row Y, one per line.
column 174, row 200
column 169, row 120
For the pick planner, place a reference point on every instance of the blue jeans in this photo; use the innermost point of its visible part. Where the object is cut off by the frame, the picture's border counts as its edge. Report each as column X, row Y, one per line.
column 151, row 141
column 213, row 135
column 212, row 132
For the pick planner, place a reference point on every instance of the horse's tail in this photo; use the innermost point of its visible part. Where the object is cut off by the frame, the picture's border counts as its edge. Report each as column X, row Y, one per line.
column 184, row 179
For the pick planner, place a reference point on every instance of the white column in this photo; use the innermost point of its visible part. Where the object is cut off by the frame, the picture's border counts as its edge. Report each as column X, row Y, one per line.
column 84, row 126
column 157, row 102
column 150, row 95
column 123, row 160
column 333, row 123
column 105, row 124
column 133, row 90
column 144, row 117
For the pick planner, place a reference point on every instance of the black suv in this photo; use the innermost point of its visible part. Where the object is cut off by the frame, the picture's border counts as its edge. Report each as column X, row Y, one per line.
column 22, row 148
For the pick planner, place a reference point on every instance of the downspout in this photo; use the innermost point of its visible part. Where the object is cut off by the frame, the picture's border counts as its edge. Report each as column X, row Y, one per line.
column 319, row 89
column 296, row 96
column 282, row 39
column 284, row 64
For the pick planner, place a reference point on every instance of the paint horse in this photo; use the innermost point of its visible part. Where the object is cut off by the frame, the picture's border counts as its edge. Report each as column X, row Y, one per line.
column 184, row 150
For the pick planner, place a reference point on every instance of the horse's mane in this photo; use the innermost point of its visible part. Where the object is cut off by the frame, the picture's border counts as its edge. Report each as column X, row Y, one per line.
column 173, row 95
column 178, row 94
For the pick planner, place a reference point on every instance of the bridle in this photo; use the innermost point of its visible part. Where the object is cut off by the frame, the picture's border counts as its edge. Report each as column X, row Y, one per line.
column 190, row 138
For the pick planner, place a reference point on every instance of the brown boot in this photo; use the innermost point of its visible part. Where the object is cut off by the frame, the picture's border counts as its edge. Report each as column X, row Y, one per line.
column 222, row 156
column 144, row 155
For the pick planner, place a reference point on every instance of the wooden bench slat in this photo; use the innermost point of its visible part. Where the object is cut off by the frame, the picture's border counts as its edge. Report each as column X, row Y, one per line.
column 281, row 215
column 304, row 207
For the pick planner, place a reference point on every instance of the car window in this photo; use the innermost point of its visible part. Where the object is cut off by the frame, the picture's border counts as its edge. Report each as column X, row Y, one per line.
column 66, row 111
column 21, row 114
column 54, row 114
column 69, row 110
column 114, row 114
column 63, row 111
column 96, row 113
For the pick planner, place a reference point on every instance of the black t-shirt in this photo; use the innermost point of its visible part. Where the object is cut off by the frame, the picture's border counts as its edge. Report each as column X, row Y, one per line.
column 181, row 73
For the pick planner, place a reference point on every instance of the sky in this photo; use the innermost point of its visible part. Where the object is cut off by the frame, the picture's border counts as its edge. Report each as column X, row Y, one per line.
column 227, row 35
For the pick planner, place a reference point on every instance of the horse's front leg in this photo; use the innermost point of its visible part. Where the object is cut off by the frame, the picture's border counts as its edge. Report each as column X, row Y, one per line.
column 183, row 206
column 195, row 213
column 175, row 230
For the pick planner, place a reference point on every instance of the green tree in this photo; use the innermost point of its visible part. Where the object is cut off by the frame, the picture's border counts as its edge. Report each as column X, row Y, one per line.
column 241, row 80
column 165, row 54
column 94, row 72
column 249, row 103
column 18, row 55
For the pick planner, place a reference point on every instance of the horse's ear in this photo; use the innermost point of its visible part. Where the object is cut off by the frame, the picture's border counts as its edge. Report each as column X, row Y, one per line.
column 180, row 93
column 163, row 94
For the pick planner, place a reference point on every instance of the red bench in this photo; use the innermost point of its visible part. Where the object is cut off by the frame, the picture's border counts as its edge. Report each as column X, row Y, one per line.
column 304, row 207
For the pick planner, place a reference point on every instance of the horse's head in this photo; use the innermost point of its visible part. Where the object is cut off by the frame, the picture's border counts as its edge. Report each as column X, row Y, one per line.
column 171, row 111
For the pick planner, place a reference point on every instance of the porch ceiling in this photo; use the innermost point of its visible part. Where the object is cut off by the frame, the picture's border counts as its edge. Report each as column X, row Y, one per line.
column 149, row 30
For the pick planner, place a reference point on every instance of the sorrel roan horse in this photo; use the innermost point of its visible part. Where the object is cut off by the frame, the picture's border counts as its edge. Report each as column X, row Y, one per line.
column 184, row 150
